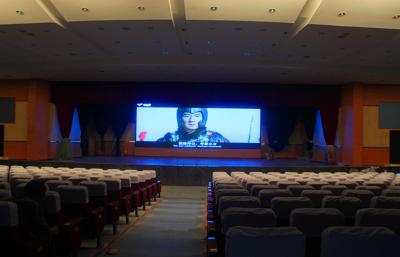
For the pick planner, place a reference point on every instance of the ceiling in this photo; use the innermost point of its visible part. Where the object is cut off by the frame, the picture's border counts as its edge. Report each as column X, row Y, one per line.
column 234, row 41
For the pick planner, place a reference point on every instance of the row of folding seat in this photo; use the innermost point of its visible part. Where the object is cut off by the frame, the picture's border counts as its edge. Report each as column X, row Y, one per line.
column 85, row 199
column 290, row 242
column 234, row 191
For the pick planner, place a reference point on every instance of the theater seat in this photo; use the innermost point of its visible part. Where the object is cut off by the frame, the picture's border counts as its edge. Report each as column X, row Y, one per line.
column 316, row 196
column 5, row 194
column 364, row 195
column 255, row 190
column 75, row 206
column 335, row 189
column 312, row 222
column 265, row 242
column 283, row 206
column 53, row 184
column 359, row 242
column 374, row 189
column 391, row 192
column 385, row 202
column 69, row 240
column 250, row 217
column 373, row 217
column 226, row 202
column 266, row 196
column 347, row 205
column 230, row 192
column 296, row 190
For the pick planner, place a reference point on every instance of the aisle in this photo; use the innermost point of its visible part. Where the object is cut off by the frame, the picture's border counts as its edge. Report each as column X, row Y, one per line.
column 174, row 228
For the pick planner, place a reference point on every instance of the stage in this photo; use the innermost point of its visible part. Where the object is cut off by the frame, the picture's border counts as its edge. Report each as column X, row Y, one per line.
column 185, row 171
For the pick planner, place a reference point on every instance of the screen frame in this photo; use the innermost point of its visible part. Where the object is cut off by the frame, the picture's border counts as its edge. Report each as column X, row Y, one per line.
column 166, row 145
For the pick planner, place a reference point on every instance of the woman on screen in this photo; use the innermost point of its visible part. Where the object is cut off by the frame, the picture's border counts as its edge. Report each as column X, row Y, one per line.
column 192, row 128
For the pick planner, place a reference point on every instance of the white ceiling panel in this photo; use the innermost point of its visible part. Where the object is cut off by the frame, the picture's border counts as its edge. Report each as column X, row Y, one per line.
column 239, row 10
column 21, row 11
column 98, row 10
column 359, row 13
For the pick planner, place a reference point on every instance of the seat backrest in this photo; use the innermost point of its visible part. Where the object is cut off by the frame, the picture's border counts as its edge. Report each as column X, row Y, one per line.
column 95, row 188
column 266, row 242
column 283, row 206
column 8, row 214
column 250, row 217
column 73, row 194
column 317, row 184
column 391, row 192
column 372, row 217
column 52, row 202
column 385, row 202
column 296, row 190
column 364, row 195
column 255, row 190
column 5, row 185
column 374, row 189
column 335, row 189
column 316, row 196
column 359, row 242
column 53, row 184
column 237, row 201
column 230, row 192
column 5, row 194
column 266, row 196
column 312, row 221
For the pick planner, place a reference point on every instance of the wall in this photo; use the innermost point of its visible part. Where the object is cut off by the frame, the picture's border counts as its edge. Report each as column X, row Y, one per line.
column 362, row 142
column 351, row 125
column 376, row 147
column 27, row 137
column 15, row 135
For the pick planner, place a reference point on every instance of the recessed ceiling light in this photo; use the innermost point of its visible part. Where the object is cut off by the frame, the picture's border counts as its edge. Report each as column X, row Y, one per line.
column 141, row 8
column 20, row 12
column 396, row 17
column 272, row 10
column 84, row 9
column 213, row 8
column 341, row 14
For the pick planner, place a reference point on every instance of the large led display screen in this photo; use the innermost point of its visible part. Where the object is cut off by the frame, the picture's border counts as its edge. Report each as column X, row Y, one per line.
column 197, row 127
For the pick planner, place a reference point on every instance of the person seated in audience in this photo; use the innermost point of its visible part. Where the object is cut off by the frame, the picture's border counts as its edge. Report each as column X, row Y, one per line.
column 31, row 214
column 192, row 128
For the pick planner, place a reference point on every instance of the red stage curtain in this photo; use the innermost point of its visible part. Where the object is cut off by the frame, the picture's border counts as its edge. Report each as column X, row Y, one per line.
column 329, row 116
column 65, row 113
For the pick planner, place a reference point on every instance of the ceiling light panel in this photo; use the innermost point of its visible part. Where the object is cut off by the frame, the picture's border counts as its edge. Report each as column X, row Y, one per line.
column 239, row 10
column 113, row 10
column 359, row 13
column 32, row 13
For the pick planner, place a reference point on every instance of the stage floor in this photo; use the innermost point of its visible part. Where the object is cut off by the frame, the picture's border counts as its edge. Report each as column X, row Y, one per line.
column 193, row 162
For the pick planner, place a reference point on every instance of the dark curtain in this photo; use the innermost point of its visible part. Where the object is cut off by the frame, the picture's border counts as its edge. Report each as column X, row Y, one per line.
column 280, row 124
column 308, row 116
column 101, row 121
column 65, row 114
column 329, row 116
column 120, row 116
column 85, row 113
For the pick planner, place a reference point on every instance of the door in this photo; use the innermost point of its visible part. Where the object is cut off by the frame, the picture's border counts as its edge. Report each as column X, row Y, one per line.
column 1, row 140
column 395, row 146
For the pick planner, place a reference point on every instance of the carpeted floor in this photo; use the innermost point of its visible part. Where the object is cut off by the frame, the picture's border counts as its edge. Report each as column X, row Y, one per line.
column 174, row 228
